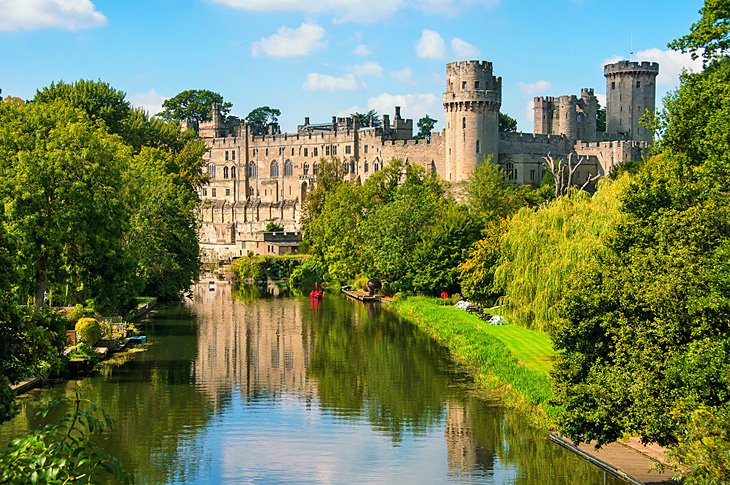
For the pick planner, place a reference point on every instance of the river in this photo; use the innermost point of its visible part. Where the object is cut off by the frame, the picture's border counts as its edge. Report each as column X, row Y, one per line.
column 246, row 390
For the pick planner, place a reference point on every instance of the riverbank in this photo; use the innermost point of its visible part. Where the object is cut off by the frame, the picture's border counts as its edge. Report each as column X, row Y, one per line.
column 512, row 360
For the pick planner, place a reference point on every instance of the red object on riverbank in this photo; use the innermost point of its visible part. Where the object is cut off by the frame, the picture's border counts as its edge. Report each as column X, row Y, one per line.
column 316, row 294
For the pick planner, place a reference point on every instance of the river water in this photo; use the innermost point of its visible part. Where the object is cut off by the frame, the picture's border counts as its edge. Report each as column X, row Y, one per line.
column 245, row 390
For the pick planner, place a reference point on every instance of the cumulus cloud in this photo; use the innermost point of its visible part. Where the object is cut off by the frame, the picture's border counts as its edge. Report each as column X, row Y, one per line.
column 537, row 87
column 326, row 82
column 404, row 75
column 42, row 14
column 151, row 101
column 671, row 64
column 412, row 105
column 464, row 50
column 366, row 69
column 360, row 11
column 362, row 50
column 287, row 42
column 431, row 45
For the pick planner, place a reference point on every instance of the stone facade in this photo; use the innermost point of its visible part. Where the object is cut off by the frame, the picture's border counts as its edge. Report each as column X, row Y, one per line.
column 259, row 179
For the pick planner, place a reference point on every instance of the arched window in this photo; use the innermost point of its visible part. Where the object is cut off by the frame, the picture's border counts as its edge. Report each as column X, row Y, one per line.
column 288, row 169
column 376, row 165
column 314, row 169
column 211, row 170
column 225, row 172
column 233, row 172
column 353, row 166
column 509, row 167
column 274, row 169
column 345, row 167
column 306, row 168
column 252, row 171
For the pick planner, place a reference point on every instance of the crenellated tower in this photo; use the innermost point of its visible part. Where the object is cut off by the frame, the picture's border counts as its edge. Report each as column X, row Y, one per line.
column 630, row 92
column 471, row 102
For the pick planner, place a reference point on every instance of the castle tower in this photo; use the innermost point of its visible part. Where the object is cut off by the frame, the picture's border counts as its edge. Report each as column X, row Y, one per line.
column 630, row 92
column 567, row 117
column 588, row 110
column 471, row 102
column 543, row 114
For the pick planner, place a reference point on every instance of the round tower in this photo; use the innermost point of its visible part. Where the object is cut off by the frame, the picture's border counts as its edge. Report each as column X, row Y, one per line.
column 568, row 120
column 471, row 102
column 630, row 92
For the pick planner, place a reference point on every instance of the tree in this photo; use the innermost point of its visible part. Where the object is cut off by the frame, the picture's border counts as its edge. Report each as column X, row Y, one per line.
column 476, row 272
column 600, row 119
column 489, row 195
column 507, row 123
column 425, row 127
column 62, row 188
column 193, row 105
column 363, row 120
column 709, row 37
column 563, row 173
column 261, row 118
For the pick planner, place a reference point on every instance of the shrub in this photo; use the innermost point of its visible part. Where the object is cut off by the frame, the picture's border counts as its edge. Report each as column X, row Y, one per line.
column 88, row 330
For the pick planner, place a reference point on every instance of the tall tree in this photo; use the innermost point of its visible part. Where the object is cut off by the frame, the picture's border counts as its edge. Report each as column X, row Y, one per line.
column 425, row 127
column 193, row 105
column 363, row 120
column 507, row 123
column 709, row 37
column 261, row 118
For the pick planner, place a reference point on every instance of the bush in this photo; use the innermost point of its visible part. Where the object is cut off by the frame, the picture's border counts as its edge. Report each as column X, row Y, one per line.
column 88, row 330
column 78, row 312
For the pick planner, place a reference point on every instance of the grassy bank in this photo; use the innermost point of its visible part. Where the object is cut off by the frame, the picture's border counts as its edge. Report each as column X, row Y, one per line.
column 511, row 359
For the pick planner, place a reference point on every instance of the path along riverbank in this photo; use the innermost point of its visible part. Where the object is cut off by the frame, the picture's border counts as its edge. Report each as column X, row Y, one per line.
column 515, row 362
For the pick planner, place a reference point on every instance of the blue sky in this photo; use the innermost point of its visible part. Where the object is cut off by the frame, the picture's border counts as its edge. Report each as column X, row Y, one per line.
column 321, row 58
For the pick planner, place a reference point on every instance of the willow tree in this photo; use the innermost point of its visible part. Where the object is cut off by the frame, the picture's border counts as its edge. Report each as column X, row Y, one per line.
column 543, row 247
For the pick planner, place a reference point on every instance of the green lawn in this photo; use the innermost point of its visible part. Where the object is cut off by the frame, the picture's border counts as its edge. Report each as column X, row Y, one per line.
column 531, row 348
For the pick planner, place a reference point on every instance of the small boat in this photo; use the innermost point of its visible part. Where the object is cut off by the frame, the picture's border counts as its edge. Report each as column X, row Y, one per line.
column 316, row 294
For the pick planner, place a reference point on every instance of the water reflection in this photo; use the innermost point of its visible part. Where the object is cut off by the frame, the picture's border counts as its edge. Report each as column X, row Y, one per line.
column 270, row 391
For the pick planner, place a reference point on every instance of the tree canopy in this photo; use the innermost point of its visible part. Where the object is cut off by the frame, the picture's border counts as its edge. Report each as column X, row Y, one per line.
column 261, row 118
column 193, row 105
column 425, row 127
column 507, row 123
column 363, row 120
column 709, row 37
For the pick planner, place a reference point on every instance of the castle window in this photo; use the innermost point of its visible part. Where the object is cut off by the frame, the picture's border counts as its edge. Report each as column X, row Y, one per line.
column 365, row 166
column 233, row 172
column 225, row 172
column 205, row 192
column 509, row 168
column 314, row 169
column 463, row 123
column 281, row 150
column 292, row 151
column 613, row 84
column 433, row 167
column 366, row 148
column 478, row 146
column 353, row 167
column 476, row 84
column 327, row 151
column 250, row 191
column 212, row 192
column 274, row 169
column 226, row 155
column 345, row 167
column 306, row 152
column 211, row 171
column 228, row 192
column 267, row 152
column 348, row 149
column 252, row 169
column 306, row 169
column 532, row 175
column 463, row 85
column 638, row 84
column 255, row 152
column 334, row 150
column 314, row 151
column 288, row 169
column 375, row 167
column 233, row 154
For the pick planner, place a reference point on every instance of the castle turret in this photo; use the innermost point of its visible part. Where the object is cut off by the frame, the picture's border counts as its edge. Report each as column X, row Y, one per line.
column 588, row 110
column 630, row 92
column 568, row 123
column 471, row 101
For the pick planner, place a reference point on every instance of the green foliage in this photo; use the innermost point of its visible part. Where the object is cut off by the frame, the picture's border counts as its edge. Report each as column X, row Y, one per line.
column 63, row 452
column 709, row 37
column 261, row 118
column 306, row 274
column 489, row 195
column 274, row 227
column 329, row 175
column 193, row 105
column 544, row 247
column 476, row 273
column 88, row 330
column 507, row 123
column 600, row 119
column 84, row 353
column 257, row 268
column 363, row 120
column 425, row 127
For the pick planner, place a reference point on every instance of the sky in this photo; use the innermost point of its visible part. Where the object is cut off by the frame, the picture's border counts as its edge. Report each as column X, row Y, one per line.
column 321, row 58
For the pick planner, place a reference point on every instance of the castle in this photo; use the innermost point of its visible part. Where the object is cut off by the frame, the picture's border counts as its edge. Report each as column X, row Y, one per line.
column 256, row 179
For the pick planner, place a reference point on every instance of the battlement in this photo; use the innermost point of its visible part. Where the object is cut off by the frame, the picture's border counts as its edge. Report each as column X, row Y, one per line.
column 587, row 91
column 486, row 65
column 631, row 67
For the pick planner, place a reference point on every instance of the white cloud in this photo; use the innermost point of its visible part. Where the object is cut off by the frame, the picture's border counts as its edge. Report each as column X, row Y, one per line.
column 431, row 45
column 601, row 99
column 151, row 101
column 366, row 69
column 359, row 11
column 362, row 50
column 41, row 14
column 464, row 50
column 325, row 82
column 287, row 42
column 404, row 75
column 537, row 87
column 412, row 105
column 671, row 64
column 452, row 7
